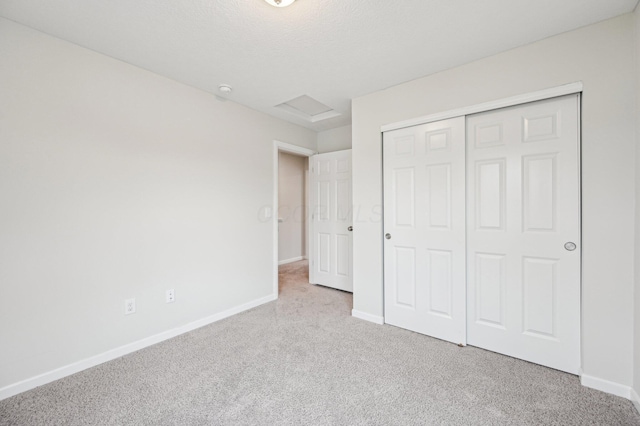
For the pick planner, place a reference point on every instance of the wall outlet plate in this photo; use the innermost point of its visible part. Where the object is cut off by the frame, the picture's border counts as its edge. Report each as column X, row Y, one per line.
column 170, row 296
column 129, row 306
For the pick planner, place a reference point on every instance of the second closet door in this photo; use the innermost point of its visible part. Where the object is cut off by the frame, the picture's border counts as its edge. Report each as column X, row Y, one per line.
column 523, row 232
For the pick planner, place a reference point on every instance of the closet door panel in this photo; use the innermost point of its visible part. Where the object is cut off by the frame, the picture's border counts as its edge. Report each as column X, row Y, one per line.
column 424, row 256
column 524, row 186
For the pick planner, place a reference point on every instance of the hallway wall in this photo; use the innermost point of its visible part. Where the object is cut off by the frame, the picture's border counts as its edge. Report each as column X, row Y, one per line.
column 292, row 185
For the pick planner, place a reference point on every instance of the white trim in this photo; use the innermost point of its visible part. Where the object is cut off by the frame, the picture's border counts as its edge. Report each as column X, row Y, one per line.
column 635, row 399
column 291, row 149
column 307, row 216
column 293, row 259
column 67, row 370
column 367, row 317
column 567, row 89
column 606, row 386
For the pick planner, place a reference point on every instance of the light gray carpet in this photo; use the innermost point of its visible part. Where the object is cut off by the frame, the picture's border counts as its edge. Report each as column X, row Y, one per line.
column 304, row 360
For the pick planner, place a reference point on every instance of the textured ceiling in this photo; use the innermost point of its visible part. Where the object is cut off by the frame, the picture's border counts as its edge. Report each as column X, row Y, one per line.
column 331, row 50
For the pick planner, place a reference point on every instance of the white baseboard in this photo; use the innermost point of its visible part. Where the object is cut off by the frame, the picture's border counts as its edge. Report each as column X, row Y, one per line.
column 293, row 259
column 635, row 399
column 67, row 370
column 367, row 317
column 606, row 386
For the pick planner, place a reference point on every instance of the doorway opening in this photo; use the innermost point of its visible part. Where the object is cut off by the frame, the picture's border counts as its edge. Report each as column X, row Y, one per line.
column 290, row 216
column 293, row 244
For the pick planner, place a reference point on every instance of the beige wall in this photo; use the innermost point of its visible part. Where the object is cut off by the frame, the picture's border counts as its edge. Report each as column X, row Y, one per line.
column 291, row 206
column 601, row 56
column 118, row 183
column 337, row 139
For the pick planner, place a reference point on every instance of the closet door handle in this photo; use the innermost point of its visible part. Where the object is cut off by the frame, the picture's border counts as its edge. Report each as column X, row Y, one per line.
column 388, row 236
column 350, row 228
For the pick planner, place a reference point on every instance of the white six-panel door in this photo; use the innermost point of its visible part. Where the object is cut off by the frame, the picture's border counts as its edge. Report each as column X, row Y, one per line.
column 510, row 281
column 523, row 208
column 424, row 223
column 331, row 221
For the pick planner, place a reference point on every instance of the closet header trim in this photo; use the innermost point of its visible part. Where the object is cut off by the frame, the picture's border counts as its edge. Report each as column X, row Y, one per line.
column 554, row 92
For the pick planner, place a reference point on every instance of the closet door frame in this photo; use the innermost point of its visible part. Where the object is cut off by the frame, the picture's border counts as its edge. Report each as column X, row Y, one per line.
column 568, row 89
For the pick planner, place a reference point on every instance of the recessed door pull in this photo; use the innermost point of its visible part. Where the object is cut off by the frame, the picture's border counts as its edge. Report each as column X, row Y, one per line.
column 570, row 246
column 388, row 236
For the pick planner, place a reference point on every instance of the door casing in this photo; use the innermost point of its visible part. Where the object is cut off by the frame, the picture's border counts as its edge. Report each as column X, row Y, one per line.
column 573, row 88
column 270, row 212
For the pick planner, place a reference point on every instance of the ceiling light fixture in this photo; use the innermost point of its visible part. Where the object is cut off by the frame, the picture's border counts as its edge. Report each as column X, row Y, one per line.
column 225, row 88
column 280, row 3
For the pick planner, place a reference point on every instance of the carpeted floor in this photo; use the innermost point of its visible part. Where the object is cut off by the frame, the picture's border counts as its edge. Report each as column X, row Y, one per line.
column 304, row 360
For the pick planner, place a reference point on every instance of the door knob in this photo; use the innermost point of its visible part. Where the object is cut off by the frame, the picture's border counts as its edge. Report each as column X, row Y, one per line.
column 350, row 228
column 570, row 246
column 388, row 236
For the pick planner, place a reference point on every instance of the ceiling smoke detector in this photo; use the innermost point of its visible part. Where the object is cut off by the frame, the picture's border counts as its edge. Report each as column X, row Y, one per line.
column 280, row 3
column 225, row 88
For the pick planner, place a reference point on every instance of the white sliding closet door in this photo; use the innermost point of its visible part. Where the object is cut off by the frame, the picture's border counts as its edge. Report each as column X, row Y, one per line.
column 523, row 281
column 424, row 222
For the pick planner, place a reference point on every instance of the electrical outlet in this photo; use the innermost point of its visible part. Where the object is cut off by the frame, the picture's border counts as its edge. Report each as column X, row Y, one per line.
column 130, row 306
column 171, row 296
